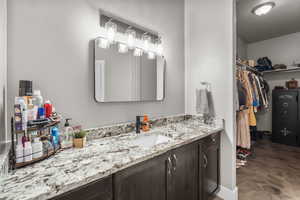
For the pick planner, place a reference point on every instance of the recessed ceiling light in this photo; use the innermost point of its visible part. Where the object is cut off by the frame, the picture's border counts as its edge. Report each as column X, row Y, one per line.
column 263, row 9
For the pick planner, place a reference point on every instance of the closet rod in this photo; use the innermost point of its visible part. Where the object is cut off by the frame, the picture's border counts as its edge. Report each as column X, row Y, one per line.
column 249, row 69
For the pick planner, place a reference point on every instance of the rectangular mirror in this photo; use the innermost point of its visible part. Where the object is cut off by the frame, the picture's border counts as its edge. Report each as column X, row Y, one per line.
column 123, row 77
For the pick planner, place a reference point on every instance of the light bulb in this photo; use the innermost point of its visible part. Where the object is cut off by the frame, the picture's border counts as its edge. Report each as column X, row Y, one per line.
column 122, row 48
column 111, row 30
column 131, row 35
column 138, row 52
column 263, row 9
column 103, row 43
column 151, row 55
column 159, row 47
column 146, row 41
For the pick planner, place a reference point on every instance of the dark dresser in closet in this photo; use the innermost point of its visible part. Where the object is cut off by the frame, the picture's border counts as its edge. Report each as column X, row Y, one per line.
column 285, row 117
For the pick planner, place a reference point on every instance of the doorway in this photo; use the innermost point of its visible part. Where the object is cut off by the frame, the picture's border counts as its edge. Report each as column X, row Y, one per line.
column 268, row 99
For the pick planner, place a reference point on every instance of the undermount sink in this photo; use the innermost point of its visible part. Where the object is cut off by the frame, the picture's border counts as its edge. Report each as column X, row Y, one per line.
column 149, row 140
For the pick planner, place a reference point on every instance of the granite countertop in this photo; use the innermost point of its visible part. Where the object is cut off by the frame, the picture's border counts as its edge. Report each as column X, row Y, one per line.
column 100, row 158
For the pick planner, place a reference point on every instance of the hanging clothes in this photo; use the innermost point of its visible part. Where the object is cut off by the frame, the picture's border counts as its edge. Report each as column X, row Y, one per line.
column 243, row 130
column 252, row 92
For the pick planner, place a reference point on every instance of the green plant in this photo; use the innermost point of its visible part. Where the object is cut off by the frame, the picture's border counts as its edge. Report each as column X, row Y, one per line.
column 80, row 134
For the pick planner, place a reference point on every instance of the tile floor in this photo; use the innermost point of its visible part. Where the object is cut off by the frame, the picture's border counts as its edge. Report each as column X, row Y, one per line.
column 273, row 174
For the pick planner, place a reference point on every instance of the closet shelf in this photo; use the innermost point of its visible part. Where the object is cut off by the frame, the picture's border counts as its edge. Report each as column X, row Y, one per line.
column 282, row 70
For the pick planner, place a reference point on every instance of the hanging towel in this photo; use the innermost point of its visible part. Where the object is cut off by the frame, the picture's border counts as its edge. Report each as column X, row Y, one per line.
column 202, row 105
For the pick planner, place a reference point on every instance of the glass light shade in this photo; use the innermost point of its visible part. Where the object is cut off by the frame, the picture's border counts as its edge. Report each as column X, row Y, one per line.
column 263, row 9
column 111, row 30
column 146, row 41
column 131, row 36
column 103, row 43
column 151, row 55
column 138, row 52
column 122, row 48
column 159, row 47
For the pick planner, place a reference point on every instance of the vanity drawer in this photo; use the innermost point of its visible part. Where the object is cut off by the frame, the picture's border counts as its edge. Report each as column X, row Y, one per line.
column 213, row 139
column 98, row 190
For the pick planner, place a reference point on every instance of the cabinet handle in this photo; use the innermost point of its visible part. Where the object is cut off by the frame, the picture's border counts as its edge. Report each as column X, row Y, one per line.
column 205, row 160
column 213, row 139
column 169, row 165
column 175, row 162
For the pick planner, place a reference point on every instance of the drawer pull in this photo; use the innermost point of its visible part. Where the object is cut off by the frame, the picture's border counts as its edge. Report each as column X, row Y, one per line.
column 169, row 164
column 205, row 161
column 175, row 162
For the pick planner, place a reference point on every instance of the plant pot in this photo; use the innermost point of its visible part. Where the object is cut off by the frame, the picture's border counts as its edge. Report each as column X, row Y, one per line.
column 79, row 142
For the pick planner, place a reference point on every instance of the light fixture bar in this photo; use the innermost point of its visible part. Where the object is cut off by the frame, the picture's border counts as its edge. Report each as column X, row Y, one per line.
column 122, row 38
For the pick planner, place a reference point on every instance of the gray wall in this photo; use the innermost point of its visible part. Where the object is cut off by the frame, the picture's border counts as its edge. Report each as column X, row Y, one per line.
column 2, row 69
column 209, row 57
column 281, row 50
column 50, row 42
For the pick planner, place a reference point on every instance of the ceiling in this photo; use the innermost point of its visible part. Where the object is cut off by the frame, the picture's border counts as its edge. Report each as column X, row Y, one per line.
column 283, row 19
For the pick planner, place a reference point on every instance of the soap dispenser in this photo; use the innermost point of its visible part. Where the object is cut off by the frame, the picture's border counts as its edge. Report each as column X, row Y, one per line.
column 67, row 135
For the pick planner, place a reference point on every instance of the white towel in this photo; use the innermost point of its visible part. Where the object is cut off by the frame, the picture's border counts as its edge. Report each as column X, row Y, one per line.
column 204, row 103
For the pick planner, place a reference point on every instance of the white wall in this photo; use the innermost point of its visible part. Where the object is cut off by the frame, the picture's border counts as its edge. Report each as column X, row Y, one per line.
column 241, row 48
column 50, row 42
column 281, row 50
column 285, row 50
column 209, row 57
column 3, row 69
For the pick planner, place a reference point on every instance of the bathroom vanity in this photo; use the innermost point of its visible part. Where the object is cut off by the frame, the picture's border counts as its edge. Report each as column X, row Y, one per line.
column 188, row 172
column 178, row 159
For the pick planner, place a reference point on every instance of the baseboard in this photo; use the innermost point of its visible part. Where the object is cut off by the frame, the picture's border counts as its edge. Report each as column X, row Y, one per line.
column 227, row 194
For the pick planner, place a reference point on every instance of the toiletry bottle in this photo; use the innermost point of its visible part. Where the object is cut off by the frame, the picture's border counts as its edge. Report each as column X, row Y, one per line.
column 55, row 137
column 37, row 148
column 41, row 113
column 67, row 136
column 32, row 111
column 48, row 108
column 19, row 151
column 18, row 115
column 23, row 105
column 27, row 151
column 146, row 124
column 37, row 98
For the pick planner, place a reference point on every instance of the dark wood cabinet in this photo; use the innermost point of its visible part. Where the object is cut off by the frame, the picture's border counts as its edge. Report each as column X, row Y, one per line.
column 146, row 181
column 209, row 161
column 173, row 176
column 98, row 190
column 184, row 184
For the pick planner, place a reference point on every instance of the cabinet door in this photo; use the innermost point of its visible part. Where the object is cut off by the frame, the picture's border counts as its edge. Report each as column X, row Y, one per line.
column 210, row 162
column 185, row 173
column 145, row 181
column 98, row 190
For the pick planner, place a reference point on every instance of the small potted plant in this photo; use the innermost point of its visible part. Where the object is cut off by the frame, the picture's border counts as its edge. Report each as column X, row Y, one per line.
column 79, row 139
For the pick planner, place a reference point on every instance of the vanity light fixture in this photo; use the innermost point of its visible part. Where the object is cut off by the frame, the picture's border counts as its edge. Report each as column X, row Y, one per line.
column 111, row 30
column 146, row 41
column 103, row 43
column 263, row 9
column 151, row 55
column 137, row 52
column 159, row 46
column 122, row 48
column 131, row 36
